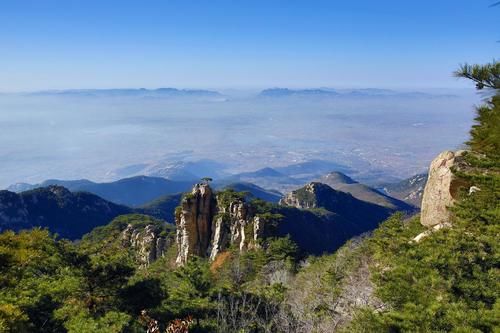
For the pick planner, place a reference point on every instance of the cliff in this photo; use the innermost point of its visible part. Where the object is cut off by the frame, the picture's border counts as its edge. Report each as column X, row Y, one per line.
column 194, row 222
column 148, row 243
column 145, row 238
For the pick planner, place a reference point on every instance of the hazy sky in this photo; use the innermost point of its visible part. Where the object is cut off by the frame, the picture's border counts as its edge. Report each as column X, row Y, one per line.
column 242, row 44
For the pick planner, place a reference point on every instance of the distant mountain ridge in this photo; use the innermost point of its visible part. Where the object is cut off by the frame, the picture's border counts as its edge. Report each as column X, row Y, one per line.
column 265, row 178
column 173, row 170
column 139, row 92
column 133, row 191
column 344, row 183
column 363, row 92
column 289, row 177
column 285, row 92
column 312, row 168
column 253, row 190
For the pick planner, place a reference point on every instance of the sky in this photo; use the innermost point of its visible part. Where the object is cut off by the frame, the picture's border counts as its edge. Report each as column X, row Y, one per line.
column 242, row 44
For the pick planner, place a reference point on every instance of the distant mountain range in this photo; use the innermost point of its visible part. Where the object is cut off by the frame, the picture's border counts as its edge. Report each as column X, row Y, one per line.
column 287, row 178
column 134, row 191
column 311, row 169
column 285, row 92
column 253, row 191
column 322, row 92
column 266, row 178
column 329, row 92
column 140, row 92
column 179, row 170
column 266, row 183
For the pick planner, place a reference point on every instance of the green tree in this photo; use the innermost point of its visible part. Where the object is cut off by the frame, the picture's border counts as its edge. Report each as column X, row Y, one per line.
column 191, row 290
column 206, row 180
column 485, row 76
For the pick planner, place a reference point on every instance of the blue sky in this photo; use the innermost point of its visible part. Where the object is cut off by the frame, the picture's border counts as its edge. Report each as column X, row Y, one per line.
column 242, row 44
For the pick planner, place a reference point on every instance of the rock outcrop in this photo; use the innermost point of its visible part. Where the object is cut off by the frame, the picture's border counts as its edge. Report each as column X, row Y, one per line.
column 208, row 225
column 194, row 223
column 148, row 243
column 305, row 197
column 441, row 190
column 236, row 225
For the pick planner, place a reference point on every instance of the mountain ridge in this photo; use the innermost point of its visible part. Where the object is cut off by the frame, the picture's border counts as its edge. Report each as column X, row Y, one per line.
column 341, row 182
column 132, row 191
column 129, row 92
column 66, row 213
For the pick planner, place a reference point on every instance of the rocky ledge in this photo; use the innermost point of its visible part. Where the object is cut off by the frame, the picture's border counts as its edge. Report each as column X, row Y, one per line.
column 147, row 242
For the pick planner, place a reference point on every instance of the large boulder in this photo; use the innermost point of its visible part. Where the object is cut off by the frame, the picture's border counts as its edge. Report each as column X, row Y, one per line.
column 441, row 190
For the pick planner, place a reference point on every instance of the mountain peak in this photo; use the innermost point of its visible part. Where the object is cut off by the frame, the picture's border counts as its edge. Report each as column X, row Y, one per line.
column 282, row 92
column 338, row 177
column 267, row 172
column 309, row 196
column 59, row 191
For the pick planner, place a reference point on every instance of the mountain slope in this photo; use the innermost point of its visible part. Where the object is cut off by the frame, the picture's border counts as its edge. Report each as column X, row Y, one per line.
column 266, row 178
column 138, row 190
column 320, row 219
column 342, row 182
column 321, row 196
column 66, row 213
column 309, row 170
column 162, row 207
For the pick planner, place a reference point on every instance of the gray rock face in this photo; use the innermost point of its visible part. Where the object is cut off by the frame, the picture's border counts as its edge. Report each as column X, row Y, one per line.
column 147, row 243
column 303, row 198
column 205, row 227
column 441, row 190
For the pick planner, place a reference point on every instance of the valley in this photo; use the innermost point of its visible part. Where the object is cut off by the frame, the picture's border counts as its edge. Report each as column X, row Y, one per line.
column 106, row 135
